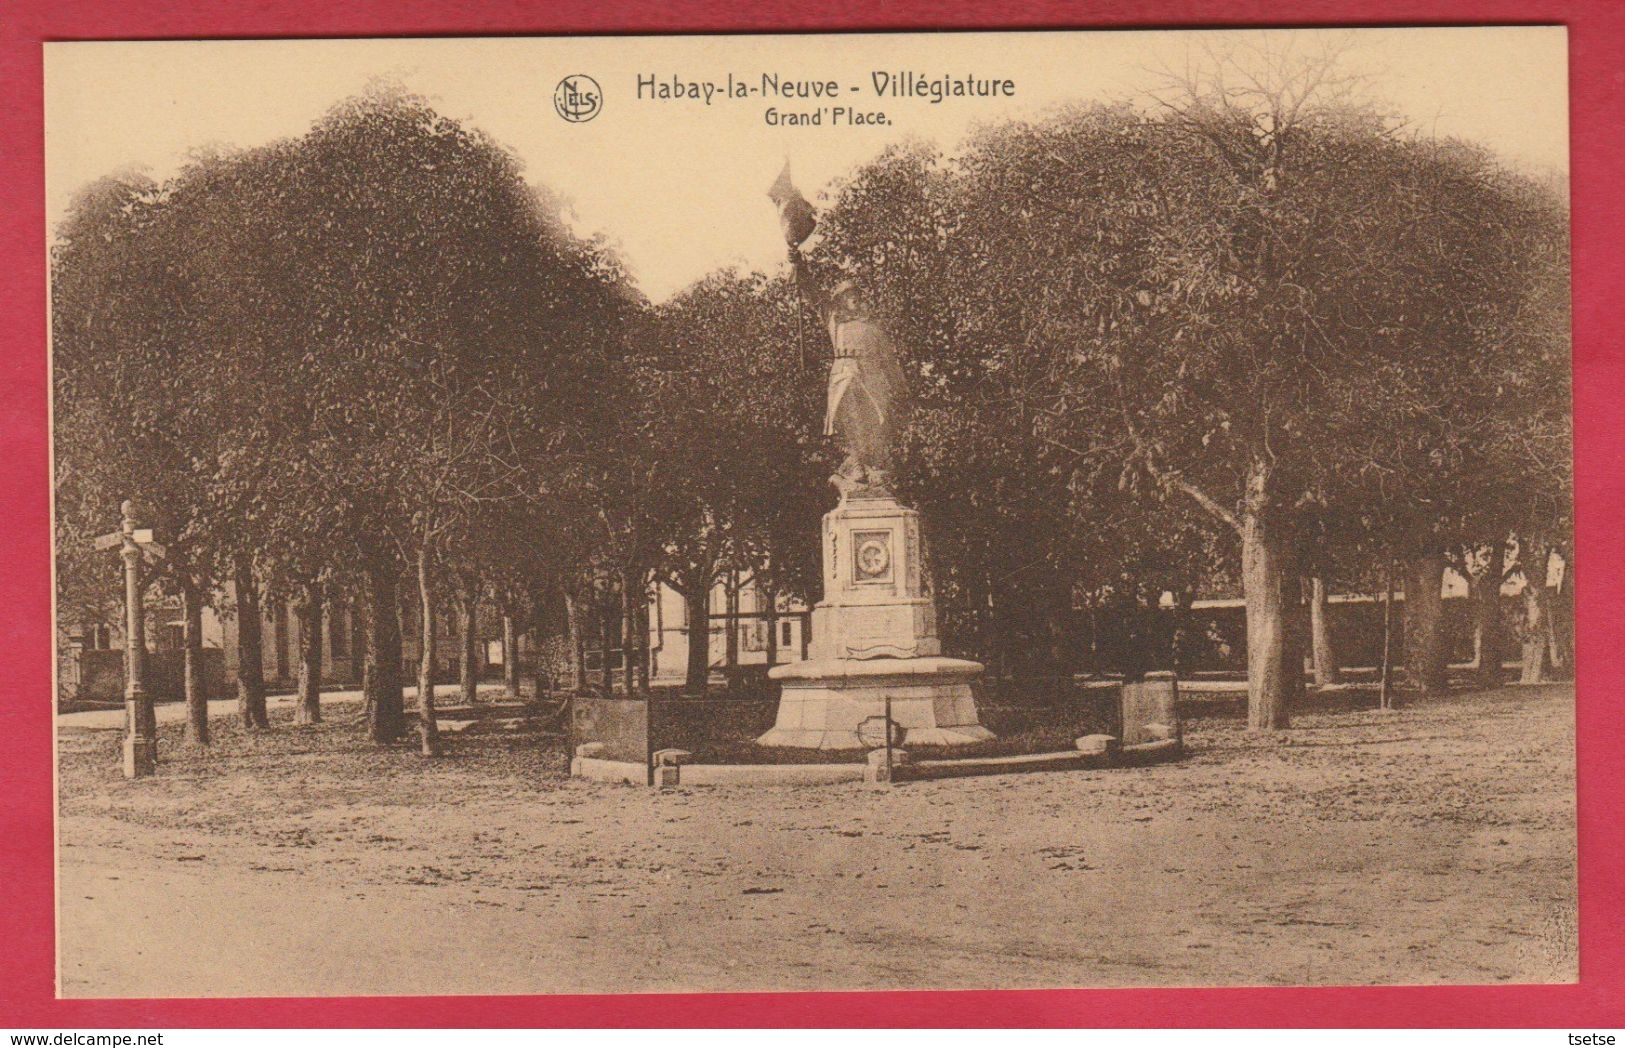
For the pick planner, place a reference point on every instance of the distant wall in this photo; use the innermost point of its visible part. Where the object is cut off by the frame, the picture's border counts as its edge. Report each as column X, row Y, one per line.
column 102, row 675
column 1214, row 638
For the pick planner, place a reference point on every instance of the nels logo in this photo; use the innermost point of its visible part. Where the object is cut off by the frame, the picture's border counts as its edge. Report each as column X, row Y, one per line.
column 578, row 98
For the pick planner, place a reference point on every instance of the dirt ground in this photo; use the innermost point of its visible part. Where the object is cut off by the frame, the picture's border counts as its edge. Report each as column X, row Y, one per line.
column 1431, row 845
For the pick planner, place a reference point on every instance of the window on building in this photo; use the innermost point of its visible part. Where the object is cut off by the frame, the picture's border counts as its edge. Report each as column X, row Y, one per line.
column 784, row 633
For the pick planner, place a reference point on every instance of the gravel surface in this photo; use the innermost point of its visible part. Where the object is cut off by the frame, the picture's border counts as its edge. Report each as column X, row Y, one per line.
column 1431, row 845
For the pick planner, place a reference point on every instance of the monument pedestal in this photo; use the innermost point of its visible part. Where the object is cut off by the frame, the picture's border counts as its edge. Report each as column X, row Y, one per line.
column 874, row 637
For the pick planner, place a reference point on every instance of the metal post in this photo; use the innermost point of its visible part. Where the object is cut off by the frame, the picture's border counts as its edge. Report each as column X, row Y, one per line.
column 888, row 739
column 141, row 725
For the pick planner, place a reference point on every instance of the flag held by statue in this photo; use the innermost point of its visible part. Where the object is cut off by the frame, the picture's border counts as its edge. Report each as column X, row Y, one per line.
column 795, row 214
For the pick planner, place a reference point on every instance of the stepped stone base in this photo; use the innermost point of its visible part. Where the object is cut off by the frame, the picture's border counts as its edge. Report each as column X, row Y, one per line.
column 824, row 701
column 874, row 635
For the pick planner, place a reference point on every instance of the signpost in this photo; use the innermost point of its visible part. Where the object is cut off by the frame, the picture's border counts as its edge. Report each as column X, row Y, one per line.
column 890, row 730
column 140, row 723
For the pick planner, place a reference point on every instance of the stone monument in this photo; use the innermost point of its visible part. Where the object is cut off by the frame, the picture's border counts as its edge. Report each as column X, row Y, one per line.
column 874, row 635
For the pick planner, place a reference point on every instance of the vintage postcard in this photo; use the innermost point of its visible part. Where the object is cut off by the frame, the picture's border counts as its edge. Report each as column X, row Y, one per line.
column 812, row 512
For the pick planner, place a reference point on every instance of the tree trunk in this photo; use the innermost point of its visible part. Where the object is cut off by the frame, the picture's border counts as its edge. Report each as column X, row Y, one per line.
column 770, row 598
column 1560, row 616
column 1425, row 654
column 510, row 658
column 644, row 649
column 250, row 644
column 730, row 645
column 698, row 599
column 428, row 729
column 998, row 632
column 279, row 634
column 308, row 702
column 1297, row 655
column 1327, row 671
column 1178, row 637
column 469, row 665
column 977, row 626
column 578, row 639
column 1489, row 633
column 197, row 693
column 381, row 676
column 629, row 635
column 1533, row 558
column 1264, row 556
column 1385, row 697
column 606, row 644
column 342, row 616
column 362, row 660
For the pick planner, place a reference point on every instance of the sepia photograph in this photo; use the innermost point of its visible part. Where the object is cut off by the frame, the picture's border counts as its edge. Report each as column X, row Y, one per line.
column 834, row 511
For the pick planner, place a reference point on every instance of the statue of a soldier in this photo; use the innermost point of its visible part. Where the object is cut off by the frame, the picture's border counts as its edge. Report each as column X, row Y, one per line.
column 866, row 393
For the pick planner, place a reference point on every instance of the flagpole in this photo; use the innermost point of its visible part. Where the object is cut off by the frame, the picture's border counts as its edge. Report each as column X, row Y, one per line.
column 801, row 309
column 796, row 217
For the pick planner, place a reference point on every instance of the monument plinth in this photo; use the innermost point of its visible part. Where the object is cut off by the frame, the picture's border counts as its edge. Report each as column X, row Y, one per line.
column 874, row 636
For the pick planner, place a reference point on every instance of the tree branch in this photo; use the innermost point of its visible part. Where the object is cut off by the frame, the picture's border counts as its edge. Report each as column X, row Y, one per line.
column 1202, row 498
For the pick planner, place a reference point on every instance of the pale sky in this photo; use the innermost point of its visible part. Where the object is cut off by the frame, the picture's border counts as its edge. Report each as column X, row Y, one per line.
column 679, row 186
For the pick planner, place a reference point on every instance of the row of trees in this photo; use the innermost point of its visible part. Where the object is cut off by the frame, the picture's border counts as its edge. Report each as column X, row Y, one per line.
column 1251, row 330
column 372, row 364
column 1245, row 335
column 331, row 365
